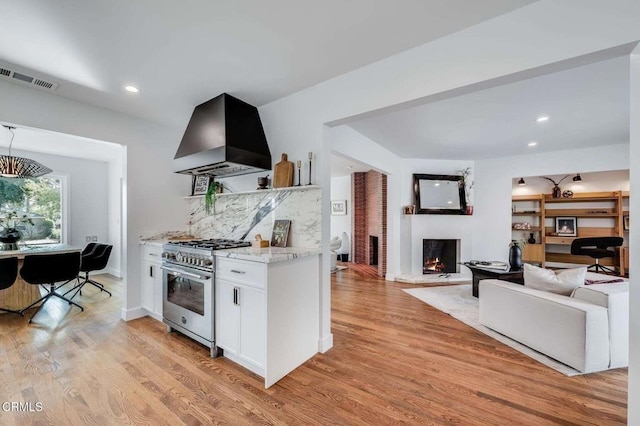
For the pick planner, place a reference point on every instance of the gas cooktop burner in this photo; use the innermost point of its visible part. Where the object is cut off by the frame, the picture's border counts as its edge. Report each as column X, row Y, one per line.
column 212, row 244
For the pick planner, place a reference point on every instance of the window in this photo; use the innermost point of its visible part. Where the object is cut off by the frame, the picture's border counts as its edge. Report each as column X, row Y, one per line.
column 34, row 207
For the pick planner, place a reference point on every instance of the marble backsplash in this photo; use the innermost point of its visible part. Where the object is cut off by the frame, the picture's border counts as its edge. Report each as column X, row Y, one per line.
column 243, row 215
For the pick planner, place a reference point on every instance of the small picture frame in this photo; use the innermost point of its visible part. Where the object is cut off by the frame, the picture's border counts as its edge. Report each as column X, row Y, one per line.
column 200, row 184
column 339, row 207
column 567, row 226
column 625, row 222
column 280, row 233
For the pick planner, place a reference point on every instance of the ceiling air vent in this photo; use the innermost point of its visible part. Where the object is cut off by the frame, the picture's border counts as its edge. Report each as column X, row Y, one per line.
column 17, row 77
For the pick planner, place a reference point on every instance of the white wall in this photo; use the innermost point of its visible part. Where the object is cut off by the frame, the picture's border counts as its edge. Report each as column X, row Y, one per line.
column 611, row 180
column 114, row 205
column 341, row 190
column 493, row 187
column 634, row 245
column 87, row 191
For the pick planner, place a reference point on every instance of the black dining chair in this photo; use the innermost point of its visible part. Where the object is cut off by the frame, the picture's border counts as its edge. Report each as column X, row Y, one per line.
column 597, row 248
column 8, row 275
column 49, row 269
column 94, row 257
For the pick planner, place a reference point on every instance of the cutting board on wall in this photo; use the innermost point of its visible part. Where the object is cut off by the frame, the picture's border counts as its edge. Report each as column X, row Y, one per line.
column 283, row 173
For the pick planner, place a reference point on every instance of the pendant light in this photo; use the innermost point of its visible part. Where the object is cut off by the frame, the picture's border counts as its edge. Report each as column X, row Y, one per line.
column 577, row 178
column 19, row 167
column 521, row 182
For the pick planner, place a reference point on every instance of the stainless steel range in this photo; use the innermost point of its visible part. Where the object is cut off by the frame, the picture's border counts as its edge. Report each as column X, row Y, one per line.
column 187, row 290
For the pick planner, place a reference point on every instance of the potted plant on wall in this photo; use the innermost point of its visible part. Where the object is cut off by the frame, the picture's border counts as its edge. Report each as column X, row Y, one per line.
column 211, row 196
column 468, row 185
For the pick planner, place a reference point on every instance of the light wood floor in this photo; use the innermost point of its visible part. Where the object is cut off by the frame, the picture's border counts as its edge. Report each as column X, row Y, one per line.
column 395, row 360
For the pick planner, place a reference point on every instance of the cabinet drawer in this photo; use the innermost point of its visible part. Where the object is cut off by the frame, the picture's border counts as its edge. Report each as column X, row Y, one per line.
column 252, row 273
column 560, row 240
column 152, row 253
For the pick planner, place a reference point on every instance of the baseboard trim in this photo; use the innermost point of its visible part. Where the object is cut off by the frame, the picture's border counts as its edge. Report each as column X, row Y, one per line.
column 325, row 343
column 131, row 314
column 390, row 277
column 111, row 271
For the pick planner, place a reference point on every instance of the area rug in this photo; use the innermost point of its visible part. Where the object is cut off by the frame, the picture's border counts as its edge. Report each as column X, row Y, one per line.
column 457, row 301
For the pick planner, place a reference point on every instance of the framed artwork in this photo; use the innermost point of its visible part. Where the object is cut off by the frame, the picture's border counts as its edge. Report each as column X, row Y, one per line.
column 280, row 233
column 339, row 207
column 567, row 226
column 625, row 223
column 199, row 185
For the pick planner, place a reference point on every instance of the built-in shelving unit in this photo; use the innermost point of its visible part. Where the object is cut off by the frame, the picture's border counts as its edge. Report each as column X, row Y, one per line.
column 597, row 214
column 529, row 209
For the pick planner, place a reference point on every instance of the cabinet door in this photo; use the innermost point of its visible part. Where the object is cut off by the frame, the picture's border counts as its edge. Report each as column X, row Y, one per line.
column 227, row 316
column 253, row 325
column 147, row 285
column 157, row 289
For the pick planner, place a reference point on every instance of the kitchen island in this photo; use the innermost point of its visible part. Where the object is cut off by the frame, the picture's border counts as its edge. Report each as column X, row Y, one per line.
column 267, row 308
column 22, row 294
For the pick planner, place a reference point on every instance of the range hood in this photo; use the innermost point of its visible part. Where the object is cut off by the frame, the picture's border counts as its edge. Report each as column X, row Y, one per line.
column 223, row 138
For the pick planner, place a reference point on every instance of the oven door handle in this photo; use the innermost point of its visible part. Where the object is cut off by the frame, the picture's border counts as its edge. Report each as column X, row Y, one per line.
column 185, row 273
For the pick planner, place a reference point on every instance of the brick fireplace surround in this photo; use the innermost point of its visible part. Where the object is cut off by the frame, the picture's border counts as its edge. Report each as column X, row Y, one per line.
column 369, row 195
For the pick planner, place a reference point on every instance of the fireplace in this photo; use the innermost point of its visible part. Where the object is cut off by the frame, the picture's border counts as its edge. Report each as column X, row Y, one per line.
column 440, row 256
column 373, row 250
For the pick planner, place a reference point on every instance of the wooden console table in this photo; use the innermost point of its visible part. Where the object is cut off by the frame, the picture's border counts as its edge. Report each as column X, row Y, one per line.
column 479, row 273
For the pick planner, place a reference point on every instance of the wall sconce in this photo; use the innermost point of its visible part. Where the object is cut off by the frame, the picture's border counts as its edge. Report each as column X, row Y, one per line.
column 577, row 178
column 521, row 182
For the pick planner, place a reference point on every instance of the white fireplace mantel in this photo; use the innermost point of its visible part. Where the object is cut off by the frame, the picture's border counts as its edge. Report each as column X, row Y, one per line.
column 415, row 228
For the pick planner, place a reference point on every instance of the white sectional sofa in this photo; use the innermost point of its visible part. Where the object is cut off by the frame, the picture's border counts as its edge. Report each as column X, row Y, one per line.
column 588, row 330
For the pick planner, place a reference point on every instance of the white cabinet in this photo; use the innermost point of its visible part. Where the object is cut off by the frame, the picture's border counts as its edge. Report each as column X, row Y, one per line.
column 242, row 316
column 151, row 280
column 241, row 312
column 267, row 314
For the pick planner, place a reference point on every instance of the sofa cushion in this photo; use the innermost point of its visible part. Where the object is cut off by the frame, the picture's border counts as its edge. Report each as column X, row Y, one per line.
column 563, row 281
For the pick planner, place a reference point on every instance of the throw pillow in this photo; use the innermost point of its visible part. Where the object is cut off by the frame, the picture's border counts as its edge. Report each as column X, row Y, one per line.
column 563, row 281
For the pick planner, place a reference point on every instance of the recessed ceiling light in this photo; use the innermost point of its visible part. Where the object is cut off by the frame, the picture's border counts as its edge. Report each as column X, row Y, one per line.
column 436, row 184
column 532, row 143
column 449, row 202
column 349, row 167
column 132, row 89
column 542, row 118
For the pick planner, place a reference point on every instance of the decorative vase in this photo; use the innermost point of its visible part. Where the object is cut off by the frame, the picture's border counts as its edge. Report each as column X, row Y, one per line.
column 532, row 239
column 557, row 192
column 9, row 238
column 515, row 257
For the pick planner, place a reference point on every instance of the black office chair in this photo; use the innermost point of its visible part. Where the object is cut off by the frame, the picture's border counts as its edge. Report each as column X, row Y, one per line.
column 597, row 248
column 94, row 257
column 50, row 269
column 8, row 275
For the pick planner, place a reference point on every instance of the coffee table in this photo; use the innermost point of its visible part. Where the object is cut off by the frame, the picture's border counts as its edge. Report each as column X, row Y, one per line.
column 479, row 273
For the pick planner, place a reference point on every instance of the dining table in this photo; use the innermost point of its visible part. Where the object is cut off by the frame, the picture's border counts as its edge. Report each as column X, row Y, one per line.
column 23, row 294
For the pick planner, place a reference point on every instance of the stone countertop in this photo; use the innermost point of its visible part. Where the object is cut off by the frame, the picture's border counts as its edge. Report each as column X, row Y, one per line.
column 267, row 254
column 158, row 243
column 39, row 249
